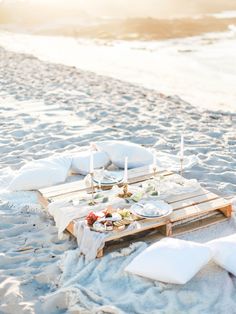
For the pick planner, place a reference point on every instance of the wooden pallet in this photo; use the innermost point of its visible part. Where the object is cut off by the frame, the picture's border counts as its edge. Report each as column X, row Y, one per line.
column 190, row 211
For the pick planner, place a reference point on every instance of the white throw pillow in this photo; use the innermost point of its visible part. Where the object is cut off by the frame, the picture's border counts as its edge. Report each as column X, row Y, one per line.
column 224, row 252
column 170, row 260
column 41, row 173
column 138, row 156
column 81, row 161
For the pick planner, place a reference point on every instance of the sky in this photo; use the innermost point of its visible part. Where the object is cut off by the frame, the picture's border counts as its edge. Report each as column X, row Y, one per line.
column 152, row 8
column 140, row 8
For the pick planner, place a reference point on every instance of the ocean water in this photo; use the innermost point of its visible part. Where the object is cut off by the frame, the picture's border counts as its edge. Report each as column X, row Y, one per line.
column 224, row 14
column 200, row 69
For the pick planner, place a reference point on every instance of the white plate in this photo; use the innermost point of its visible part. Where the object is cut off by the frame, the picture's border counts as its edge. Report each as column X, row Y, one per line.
column 151, row 209
column 109, row 178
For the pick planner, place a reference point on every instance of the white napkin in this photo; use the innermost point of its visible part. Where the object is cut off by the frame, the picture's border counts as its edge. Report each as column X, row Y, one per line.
column 89, row 242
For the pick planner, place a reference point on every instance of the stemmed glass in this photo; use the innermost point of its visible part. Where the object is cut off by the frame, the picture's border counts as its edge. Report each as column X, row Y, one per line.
column 99, row 173
column 156, row 178
column 153, row 166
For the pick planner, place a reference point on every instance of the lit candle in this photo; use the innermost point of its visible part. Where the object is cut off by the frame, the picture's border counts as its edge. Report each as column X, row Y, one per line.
column 91, row 167
column 182, row 147
column 126, row 170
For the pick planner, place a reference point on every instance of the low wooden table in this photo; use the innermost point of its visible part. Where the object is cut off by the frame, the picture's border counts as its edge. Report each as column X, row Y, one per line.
column 191, row 211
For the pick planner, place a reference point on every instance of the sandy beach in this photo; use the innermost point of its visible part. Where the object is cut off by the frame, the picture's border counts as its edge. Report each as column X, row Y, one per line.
column 199, row 69
column 48, row 108
column 146, row 73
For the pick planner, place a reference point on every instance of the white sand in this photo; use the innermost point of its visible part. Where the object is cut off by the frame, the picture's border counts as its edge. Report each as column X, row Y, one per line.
column 201, row 70
column 47, row 108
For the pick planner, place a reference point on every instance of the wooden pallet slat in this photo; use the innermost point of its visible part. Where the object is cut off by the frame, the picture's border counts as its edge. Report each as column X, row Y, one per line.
column 185, row 196
column 199, row 224
column 76, row 195
column 193, row 200
column 198, row 209
column 165, row 224
column 191, row 211
column 134, row 175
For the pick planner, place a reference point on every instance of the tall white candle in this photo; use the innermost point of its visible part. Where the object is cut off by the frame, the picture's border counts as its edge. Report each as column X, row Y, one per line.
column 154, row 162
column 182, row 147
column 91, row 166
column 126, row 170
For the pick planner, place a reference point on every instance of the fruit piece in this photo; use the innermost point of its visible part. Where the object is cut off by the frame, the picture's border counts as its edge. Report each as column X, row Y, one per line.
column 98, row 196
column 109, row 226
column 105, row 199
column 125, row 213
column 99, row 227
column 155, row 193
column 136, row 197
column 108, row 212
column 91, row 218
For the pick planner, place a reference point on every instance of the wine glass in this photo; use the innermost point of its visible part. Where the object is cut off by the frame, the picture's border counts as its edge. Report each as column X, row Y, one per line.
column 99, row 174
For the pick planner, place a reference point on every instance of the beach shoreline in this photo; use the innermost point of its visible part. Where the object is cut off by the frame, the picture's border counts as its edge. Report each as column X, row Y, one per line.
column 199, row 69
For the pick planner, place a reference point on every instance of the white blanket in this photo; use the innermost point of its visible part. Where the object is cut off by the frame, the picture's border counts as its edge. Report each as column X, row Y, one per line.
column 102, row 285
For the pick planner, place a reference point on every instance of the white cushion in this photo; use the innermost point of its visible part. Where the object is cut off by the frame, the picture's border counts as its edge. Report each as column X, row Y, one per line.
column 81, row 161
column 138, row 156
column 224, row 252
column 41, row 173
column 170, row 260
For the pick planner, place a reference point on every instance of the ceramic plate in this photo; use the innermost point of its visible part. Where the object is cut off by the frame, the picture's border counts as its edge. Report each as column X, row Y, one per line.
column 109, row 178
column 151, row 209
